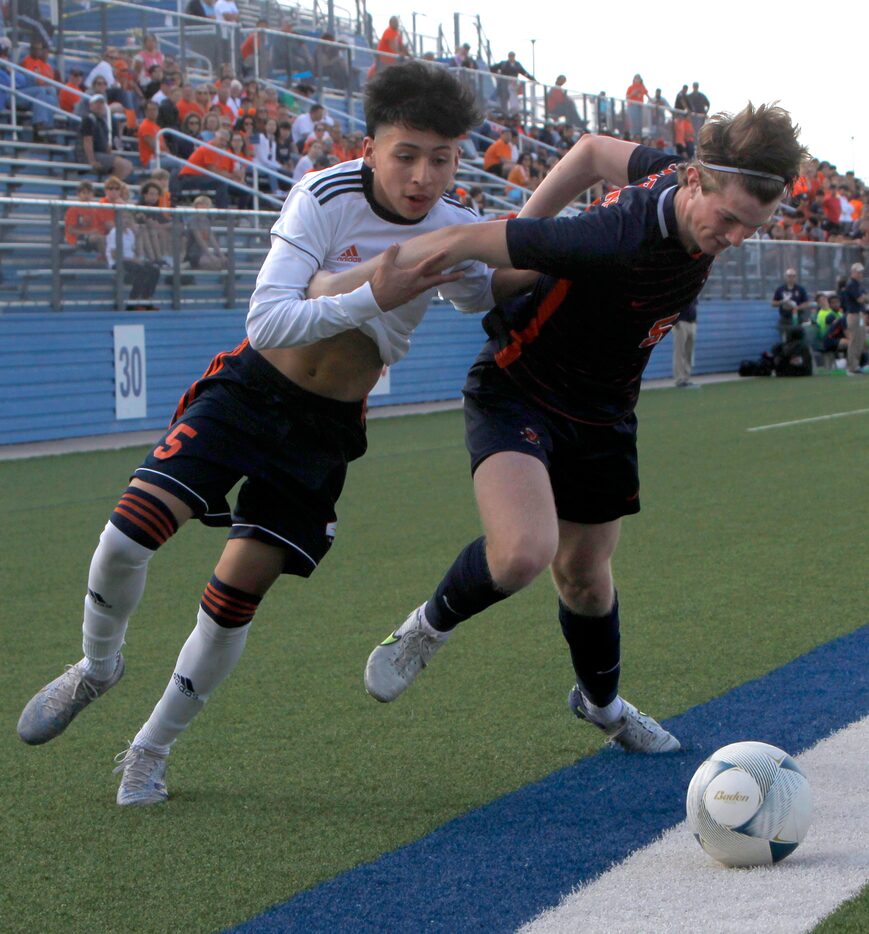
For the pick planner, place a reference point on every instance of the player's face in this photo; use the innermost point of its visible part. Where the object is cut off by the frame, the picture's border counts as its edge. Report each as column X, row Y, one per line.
column 412, row 168
column 713, row 221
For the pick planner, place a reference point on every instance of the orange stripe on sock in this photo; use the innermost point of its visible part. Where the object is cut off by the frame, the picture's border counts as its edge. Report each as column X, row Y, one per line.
column 144, row 525
column 151, row 511
column 220, row 611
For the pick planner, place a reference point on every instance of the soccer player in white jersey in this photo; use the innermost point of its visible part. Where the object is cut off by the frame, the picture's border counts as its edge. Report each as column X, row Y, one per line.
column 285, row 411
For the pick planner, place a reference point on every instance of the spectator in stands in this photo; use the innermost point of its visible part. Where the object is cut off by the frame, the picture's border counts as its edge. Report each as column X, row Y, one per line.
column 190, row 127
column 290, row 55
column 518, row 178
column 45, row 96
column 307, row 161
column 200, row 8
column 698, row 104
column 681, row 102
column 147, row 135
column 499, row 157
column 202, row 247
column 154, row 82
column 104, row 67
column 84, row 227
column 284, row 148
column 234, row 100
column 265, row 153
column 463, row 58
column 320, row 134
column 95, row 142
column 218, row 163
column 792, row 302
column 683, row 134
column 659, row 110
column 339, row 144
column 558, row 104
column 221, row 102
column 331, row 64
column 855, row 303
column 153, row 228
column 187, row 103
column 636, row 95
column 148, row 56
column 67, row 99
column 255, row 51
column 162, row 177
column 140, row 274
column 226, row 11
column 7, row 78
column 210, row 126
column 508, row 95
column 603, row 113
column 304, row 124
column 391, row 48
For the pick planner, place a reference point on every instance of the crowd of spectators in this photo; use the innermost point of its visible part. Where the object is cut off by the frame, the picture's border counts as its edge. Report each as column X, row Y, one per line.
column 239, row 132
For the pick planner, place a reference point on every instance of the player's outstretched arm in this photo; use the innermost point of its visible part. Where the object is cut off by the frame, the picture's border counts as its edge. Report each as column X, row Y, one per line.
column 591, row 160
column 424, row 256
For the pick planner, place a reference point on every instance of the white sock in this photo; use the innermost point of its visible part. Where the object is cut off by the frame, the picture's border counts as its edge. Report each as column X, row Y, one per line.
column 116, row 582
column 207, row 658
column 605, row 715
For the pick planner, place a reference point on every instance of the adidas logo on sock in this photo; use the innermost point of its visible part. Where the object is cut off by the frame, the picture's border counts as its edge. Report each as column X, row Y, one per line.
column 98, row 599
column 350, row 255
column 184, row 685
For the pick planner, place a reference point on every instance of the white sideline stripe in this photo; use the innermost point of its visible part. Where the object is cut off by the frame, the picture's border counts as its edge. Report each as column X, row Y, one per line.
column 673, row 887
column 805, row 421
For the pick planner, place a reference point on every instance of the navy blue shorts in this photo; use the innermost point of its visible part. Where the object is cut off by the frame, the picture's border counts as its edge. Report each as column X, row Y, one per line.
column 593, row 469
column 245, row 419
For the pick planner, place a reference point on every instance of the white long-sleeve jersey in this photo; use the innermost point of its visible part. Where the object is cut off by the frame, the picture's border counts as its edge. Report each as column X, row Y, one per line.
column 330, row 220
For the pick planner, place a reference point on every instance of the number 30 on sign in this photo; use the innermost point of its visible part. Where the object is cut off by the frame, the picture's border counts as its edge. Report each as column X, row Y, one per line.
column 131, row 396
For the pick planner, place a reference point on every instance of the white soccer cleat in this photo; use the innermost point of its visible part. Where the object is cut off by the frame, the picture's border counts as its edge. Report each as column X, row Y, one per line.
column 396, row 662
column 634, row 730
column 50, row 711
column 144, row 776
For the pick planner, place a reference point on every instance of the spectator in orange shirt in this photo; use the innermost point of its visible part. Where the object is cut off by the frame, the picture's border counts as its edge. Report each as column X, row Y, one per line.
column 498, row 158
column 636, row 95
column 254, row 51
column 683, row 134
column 558, row 104
column 83, row 227
column 147, row 135
column 188, row 104
column 218, row 163
column 67, row 100
column 391, row 45
column 45, row 95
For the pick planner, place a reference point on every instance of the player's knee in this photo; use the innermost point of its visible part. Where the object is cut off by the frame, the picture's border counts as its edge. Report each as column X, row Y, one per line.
column 587, row 591
column 515, row 564
column 143, row 520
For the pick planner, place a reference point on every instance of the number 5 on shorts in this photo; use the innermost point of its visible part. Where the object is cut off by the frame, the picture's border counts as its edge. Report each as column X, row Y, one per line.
column 173, row 442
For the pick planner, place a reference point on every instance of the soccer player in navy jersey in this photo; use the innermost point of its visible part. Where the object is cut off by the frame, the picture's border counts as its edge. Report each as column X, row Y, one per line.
column 549, row 402
column 285, row 411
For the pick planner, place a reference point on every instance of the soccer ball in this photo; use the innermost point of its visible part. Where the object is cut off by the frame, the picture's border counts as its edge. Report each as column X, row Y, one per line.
column 749, row 804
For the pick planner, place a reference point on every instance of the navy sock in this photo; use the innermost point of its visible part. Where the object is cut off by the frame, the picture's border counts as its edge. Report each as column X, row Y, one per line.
column 467, row 589
column 595, row 650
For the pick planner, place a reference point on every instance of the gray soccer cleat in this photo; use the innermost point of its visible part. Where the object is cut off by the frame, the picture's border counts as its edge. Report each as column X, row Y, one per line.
column 49, row 712
column 634, row 730
column 144, row 777
column 396, row 662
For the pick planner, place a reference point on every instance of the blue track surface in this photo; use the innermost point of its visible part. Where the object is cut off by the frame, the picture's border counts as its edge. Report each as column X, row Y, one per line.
column 500, row 865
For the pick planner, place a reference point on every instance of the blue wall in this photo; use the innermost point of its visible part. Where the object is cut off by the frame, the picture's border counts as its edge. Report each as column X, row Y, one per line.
column 57, row 370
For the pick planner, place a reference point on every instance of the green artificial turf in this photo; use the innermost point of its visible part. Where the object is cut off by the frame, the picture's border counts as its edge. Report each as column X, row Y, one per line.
column 292, row 773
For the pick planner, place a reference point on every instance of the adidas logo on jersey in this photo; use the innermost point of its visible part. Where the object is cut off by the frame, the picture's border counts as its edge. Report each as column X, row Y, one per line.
column 350, row 255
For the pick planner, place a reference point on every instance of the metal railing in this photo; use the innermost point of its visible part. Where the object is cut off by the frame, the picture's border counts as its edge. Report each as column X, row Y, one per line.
column 72, row 277
column 255, row 168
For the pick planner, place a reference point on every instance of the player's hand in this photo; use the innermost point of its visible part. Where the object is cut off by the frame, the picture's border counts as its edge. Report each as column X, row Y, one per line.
column 392, row 286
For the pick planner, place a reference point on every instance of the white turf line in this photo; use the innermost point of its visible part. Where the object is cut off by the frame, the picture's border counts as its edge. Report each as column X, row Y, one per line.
column 805, row 421
column 673, row 886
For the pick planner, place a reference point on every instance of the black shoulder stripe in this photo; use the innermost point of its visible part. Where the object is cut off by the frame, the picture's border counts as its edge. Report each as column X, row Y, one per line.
column 341, row 191
column 336, row 179
column 458, row 204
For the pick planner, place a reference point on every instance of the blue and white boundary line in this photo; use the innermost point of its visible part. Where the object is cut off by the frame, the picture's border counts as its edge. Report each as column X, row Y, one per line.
column 502, row 865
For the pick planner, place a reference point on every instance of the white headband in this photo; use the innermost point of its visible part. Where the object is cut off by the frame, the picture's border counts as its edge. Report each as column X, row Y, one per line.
column 734, row 170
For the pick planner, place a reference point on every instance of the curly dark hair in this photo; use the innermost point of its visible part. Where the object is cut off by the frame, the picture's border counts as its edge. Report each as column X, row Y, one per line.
column 421, row 97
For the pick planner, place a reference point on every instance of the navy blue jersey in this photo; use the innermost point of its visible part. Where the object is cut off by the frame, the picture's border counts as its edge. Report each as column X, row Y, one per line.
column 616, row 279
